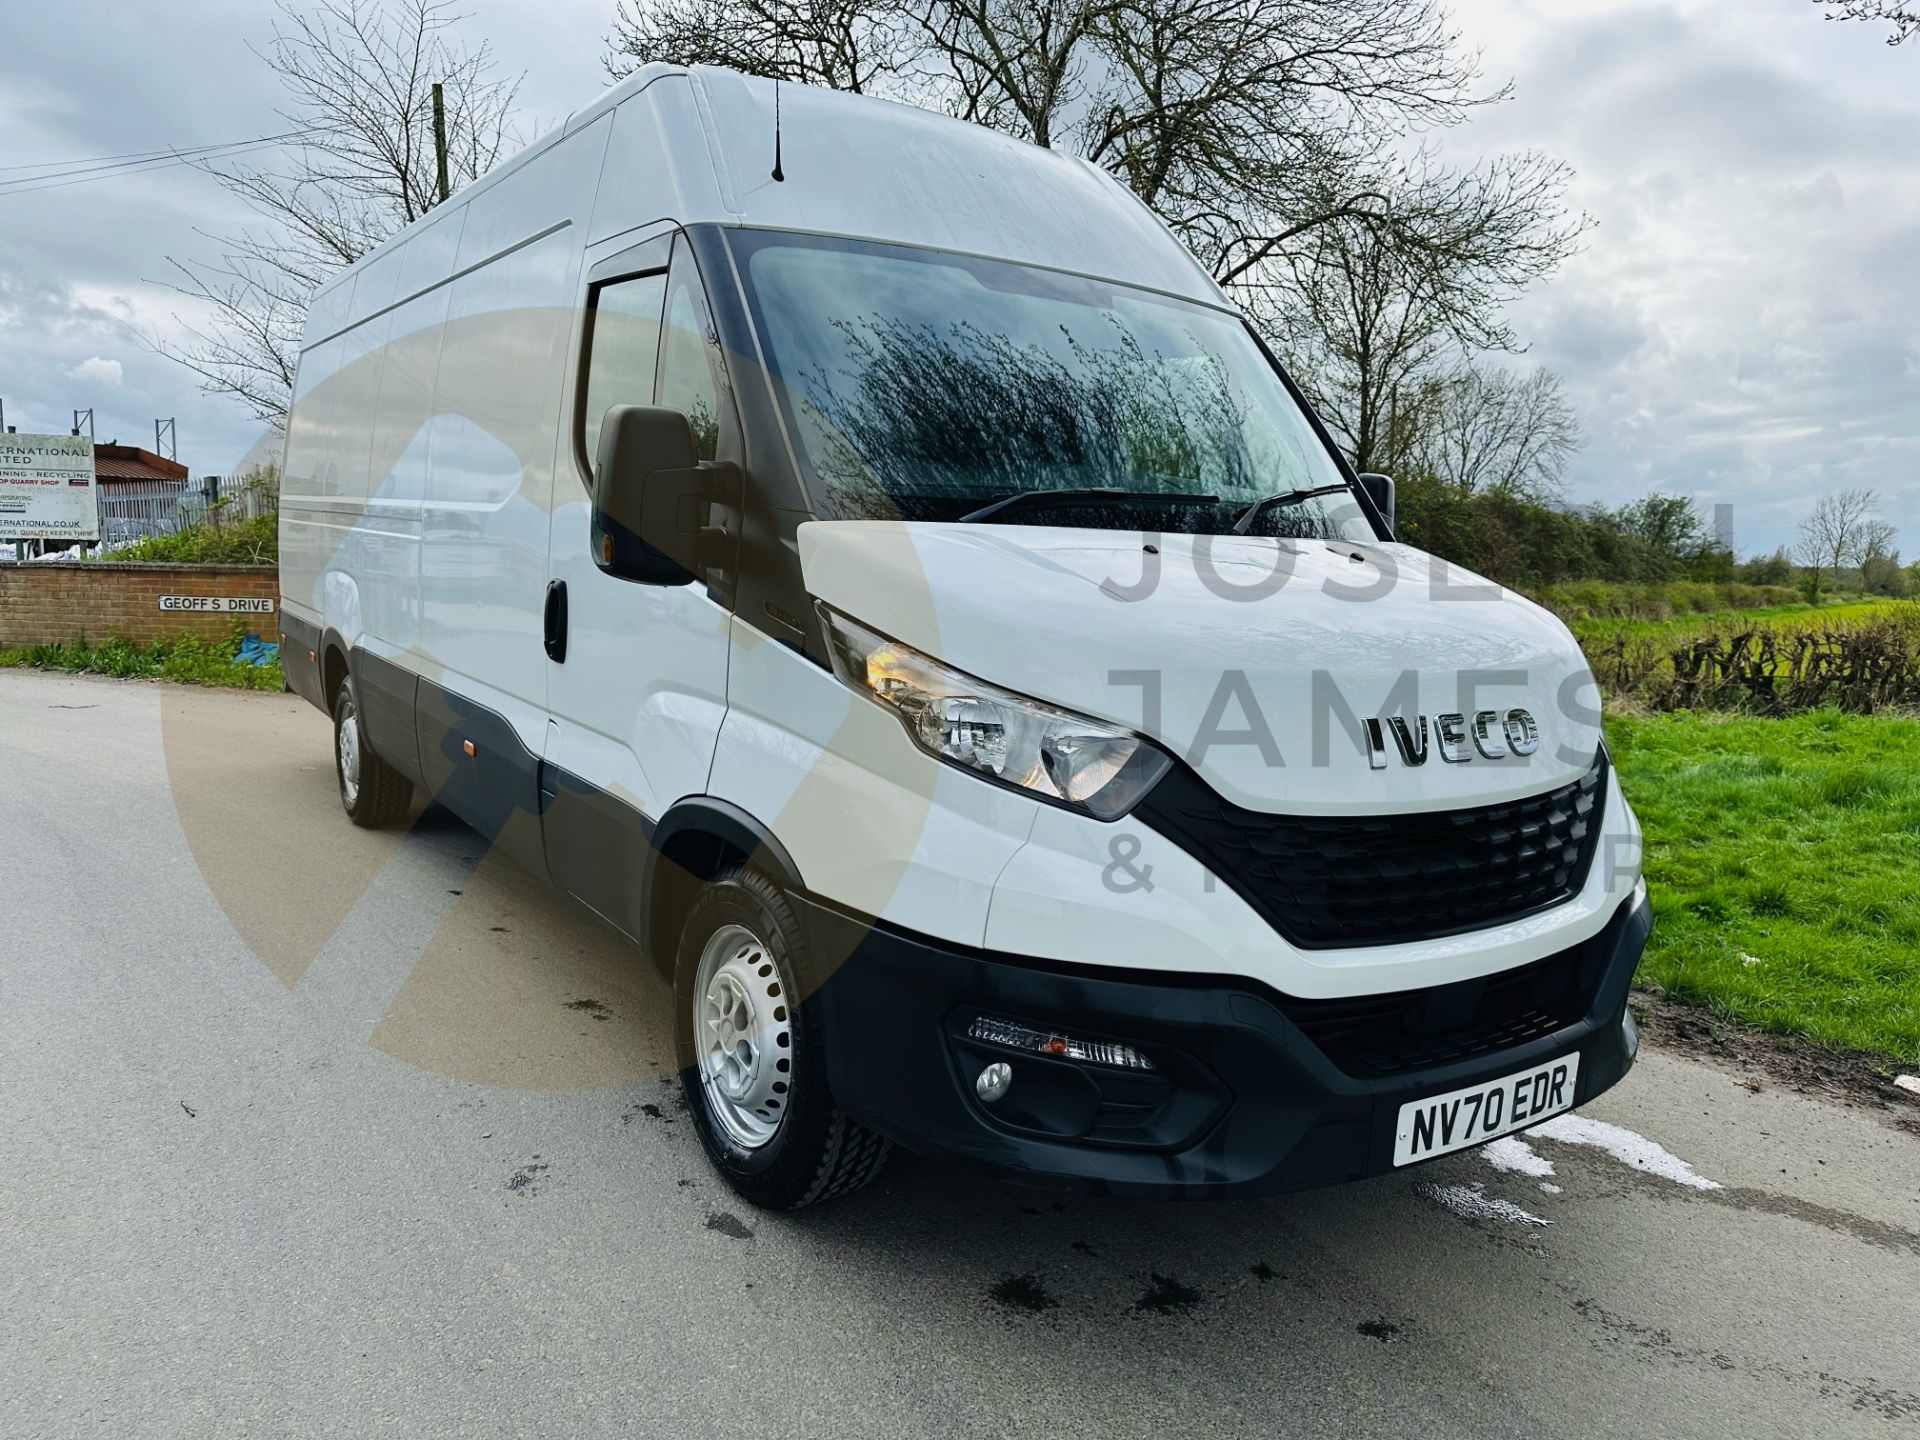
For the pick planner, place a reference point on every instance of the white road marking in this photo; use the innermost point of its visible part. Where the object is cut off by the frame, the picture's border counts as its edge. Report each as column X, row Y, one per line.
column 1513, row 1155
column 1625, row 1146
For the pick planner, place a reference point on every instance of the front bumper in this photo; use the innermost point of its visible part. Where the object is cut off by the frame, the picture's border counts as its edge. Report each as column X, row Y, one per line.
column 1241, row 1100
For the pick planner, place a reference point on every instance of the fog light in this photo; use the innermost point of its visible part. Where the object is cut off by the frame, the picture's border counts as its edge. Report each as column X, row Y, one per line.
column 1052, row 1042
column 994, row 1081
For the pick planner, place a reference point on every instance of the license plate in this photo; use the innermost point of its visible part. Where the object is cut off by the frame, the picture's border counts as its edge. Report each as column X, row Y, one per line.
column 1480, row 1112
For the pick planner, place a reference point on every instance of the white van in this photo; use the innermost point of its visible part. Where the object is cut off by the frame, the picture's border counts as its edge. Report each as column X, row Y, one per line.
column 870, row 564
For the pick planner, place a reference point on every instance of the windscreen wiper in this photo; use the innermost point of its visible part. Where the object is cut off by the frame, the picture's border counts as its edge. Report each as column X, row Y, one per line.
column 1084, row 495
column 1243, row 522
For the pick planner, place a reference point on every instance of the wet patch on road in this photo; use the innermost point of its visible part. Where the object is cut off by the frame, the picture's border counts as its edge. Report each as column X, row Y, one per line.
column 1022, row 1293
column 1167, row 1296
column 1652, row 1170
column 1385, row 1331
column 589, row 1007
column 528, row 1179
column 1859, row 1393
column 1878, row 1233
column 1471, row 1202
column 728, row 1224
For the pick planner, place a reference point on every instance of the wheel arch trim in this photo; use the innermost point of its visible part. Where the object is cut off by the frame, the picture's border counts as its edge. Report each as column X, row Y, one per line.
column 717, row 820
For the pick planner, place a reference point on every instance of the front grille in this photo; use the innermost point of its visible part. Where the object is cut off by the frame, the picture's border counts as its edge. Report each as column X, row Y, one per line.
column 1375, row 1035
column 1325, row 881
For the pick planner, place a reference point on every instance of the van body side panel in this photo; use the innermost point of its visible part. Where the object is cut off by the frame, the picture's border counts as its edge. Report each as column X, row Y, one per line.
column 300, row 655
column 397, row 469
column 596, row 847
column 490, row 477
column 475, row 762
column 309, row 529
column 388, row 693
column 872, row 822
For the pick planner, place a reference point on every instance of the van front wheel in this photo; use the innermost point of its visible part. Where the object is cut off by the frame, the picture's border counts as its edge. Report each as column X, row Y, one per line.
column 373, row 793
column 751, row 1052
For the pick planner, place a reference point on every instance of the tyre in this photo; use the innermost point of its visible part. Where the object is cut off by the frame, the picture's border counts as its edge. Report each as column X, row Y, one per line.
column 374, row 794
column 752, row 1060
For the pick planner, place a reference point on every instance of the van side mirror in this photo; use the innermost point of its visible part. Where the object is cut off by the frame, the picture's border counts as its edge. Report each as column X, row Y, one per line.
column 1379, row 489
column 653, row 497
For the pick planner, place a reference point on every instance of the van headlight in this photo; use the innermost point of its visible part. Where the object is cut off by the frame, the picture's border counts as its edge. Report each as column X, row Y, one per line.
column 1059, row 756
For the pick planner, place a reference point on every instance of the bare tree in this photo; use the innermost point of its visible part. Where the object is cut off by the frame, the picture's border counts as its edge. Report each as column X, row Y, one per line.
column 1368, row 310
column 1248, row 127
column 1840, row 532
column 359, row 78
column 1901, row 16
column 844, row 46
column 1486, row 430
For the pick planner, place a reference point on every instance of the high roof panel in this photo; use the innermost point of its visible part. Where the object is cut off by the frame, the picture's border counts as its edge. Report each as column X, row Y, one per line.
column 856, row 165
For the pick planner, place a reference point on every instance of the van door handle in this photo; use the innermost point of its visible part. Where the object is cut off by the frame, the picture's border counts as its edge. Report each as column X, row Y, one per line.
column 556, row 621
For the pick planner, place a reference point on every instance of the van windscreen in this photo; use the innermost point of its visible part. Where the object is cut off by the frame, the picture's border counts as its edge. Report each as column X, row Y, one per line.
column 924, row 386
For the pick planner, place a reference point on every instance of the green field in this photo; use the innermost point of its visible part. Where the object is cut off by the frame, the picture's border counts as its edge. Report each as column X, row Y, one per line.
column 1838, row 614
column 1783, row 857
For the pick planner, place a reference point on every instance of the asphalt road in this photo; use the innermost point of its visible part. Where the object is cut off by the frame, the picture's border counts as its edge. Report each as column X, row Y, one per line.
column 311, row 1132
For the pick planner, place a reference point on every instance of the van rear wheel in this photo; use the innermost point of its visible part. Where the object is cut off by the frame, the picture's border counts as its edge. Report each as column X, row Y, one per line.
column 751, row 1052
column 374, row 794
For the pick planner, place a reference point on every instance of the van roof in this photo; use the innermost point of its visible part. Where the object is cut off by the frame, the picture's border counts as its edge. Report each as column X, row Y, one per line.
column 696, row 145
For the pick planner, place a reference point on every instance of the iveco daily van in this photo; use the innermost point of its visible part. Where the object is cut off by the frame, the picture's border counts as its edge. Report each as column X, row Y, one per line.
column 893, row 585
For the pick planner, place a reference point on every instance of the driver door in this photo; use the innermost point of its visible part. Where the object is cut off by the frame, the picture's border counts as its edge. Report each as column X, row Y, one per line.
column 638, row 687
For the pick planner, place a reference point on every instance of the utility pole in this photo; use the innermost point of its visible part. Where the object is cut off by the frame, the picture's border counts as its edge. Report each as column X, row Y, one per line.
column 440, row 140
column 19, row 546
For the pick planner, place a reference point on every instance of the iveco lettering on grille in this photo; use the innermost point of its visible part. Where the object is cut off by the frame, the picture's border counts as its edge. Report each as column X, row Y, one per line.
column 1489, row 734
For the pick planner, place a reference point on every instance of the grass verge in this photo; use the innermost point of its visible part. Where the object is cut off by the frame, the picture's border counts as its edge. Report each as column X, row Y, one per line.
column 187, row 659
column 1783, row 857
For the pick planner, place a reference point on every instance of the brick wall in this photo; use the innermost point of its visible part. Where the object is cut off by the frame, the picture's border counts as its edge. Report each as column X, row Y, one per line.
column 47, row 603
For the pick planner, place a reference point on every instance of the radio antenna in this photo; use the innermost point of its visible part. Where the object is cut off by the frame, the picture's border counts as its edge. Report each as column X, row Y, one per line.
column 777, row 173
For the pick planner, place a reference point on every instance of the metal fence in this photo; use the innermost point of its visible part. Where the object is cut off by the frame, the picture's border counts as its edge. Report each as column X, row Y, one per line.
column 139, row 509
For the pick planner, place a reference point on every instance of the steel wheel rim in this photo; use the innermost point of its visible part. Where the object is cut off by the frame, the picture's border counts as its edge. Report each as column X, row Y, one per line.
column 349, row 752
column 743, row 1036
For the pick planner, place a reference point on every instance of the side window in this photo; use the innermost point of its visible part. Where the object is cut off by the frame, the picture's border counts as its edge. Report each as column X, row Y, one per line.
column 625, row 315
column 692, row 377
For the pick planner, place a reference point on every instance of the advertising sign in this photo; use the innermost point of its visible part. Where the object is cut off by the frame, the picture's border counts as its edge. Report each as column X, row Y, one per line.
column 46, row 488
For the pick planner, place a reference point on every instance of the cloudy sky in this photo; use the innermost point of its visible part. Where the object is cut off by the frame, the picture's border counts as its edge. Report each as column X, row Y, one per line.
column 1743, row 323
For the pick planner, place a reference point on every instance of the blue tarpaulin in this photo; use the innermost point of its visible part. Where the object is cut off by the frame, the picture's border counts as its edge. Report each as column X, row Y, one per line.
column 255, row 651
